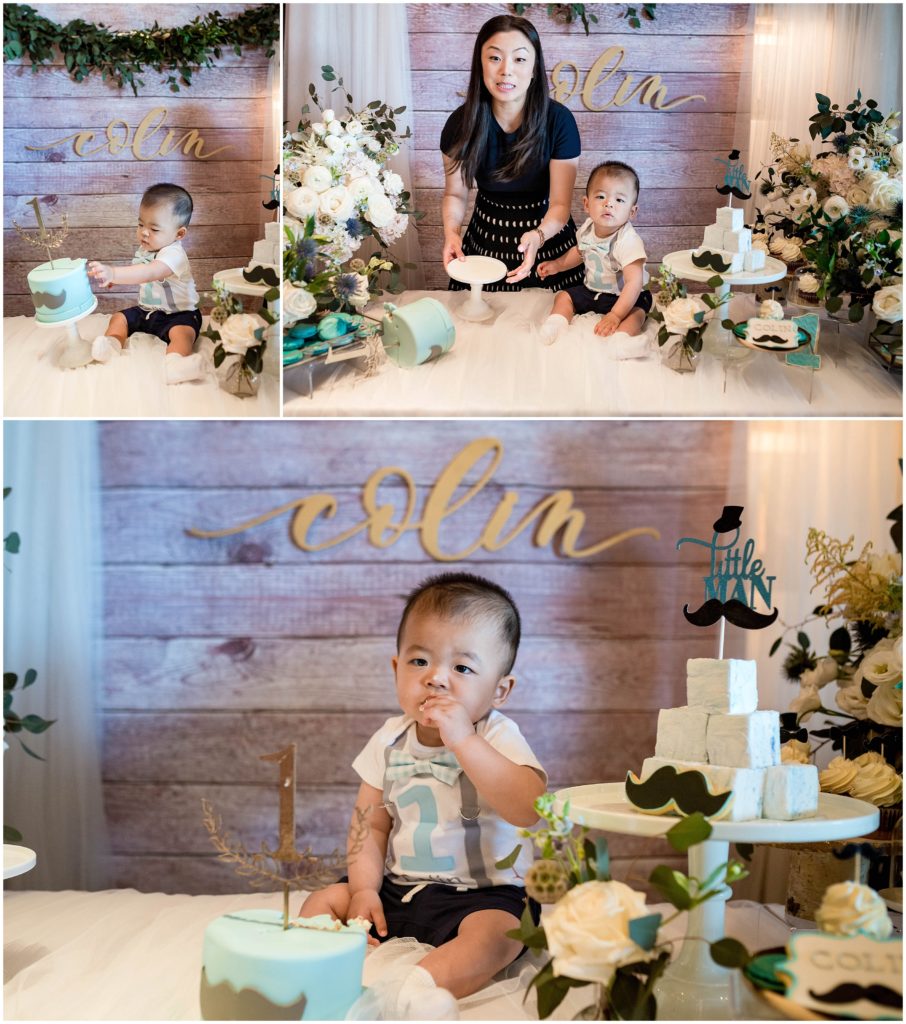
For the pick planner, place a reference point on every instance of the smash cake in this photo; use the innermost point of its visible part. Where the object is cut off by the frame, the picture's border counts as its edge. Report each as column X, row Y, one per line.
column 264, row 266
column 731, row 240
column 253, row 969
column 721, row 734
column 60, row 290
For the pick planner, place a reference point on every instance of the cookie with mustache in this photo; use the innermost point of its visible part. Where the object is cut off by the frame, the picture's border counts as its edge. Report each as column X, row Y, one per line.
column 669, row 791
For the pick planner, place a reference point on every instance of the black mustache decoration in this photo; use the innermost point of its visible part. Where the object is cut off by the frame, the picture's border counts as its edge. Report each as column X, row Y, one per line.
column 263, row 274
column 851, row 992
column 710, row 261
column 727, row 190
column 272, row 204
column 670, row 790
column 48, row 300
column 733, row 611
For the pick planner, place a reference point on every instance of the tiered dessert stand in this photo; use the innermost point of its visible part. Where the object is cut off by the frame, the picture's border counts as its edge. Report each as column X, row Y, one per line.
column 76, row 350
column 694, row 987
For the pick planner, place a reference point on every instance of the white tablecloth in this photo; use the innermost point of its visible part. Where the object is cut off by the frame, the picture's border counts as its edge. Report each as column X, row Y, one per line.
column 501, row 368
column 132, row 385
column 124, row 955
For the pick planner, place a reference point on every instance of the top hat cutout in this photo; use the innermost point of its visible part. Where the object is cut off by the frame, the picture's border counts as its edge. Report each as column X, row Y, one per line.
column 729, row 519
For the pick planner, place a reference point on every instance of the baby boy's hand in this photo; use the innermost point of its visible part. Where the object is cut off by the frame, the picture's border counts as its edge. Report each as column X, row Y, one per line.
column 367, row 903
column 607, row 324
column 449, row 717
column 101, row 273
column 547, row 268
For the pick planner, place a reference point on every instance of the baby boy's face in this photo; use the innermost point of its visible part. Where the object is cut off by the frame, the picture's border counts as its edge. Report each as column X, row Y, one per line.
column 460, row 658
column 157, row 227
column 610, row 203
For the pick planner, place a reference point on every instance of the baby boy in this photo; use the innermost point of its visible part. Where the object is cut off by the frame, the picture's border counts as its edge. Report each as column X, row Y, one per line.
column 614, row 258
column 445, row 786
column 168, row 301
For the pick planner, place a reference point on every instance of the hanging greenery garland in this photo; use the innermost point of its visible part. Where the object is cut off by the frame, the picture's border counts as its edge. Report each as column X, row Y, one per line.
column 121, row 56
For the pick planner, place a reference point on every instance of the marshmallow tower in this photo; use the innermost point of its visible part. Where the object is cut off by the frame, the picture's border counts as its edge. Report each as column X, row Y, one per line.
column 721, row 734
column 729, row 238
column 266, row 251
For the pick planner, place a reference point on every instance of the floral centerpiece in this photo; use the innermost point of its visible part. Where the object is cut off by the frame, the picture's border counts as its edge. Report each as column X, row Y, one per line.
column 864, row 660
column 339, row 192
column 840, row 212
column 600, row 932
column 243, row 336
column 682, row 318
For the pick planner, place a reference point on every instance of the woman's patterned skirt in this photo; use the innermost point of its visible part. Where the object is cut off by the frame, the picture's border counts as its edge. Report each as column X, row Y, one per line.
column 498, row 221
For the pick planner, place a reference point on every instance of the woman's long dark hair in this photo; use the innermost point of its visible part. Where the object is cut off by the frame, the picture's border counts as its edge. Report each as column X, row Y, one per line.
column 476, row 123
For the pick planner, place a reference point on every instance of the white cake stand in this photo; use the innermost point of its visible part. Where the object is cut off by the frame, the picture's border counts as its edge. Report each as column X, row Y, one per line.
column 76, row 350
column 476, row 271
column 680, row 265
column 693, row 986
column 17, row 860
column 234, row 282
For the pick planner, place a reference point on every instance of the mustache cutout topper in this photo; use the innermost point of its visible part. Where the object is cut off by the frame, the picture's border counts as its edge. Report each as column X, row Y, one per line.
column 263, row 274
column 728, row 190
column 48, row 300
column 710, row 261
column 671, row 790
column 733, row 611
column 850, row 992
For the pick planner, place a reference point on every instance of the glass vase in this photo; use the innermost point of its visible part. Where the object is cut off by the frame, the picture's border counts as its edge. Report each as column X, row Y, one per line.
column 679, row 357
column 240, row 381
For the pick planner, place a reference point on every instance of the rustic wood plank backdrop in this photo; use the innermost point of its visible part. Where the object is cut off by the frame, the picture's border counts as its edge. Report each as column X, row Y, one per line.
column 229, row 106
column 697, row 49
column 219, row 650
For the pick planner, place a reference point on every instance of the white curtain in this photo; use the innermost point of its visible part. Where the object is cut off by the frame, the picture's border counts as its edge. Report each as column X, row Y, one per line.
column 835, row 49
column 368, row 46
column 52, row 619
column 840, row 476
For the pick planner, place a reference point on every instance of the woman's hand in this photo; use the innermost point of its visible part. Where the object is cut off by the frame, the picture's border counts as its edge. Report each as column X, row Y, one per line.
column 452, row 248
column 529, row 245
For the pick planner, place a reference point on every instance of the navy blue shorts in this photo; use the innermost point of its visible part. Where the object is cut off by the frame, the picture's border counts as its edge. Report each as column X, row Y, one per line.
column 434, row 913
column 584, row 300
column 159, row 323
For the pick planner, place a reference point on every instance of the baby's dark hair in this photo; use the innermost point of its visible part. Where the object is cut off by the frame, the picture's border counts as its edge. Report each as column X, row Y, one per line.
column 618, row 170
column 176, row 197
column 462, row 595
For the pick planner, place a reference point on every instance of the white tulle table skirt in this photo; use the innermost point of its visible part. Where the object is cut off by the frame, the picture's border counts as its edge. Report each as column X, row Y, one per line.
column 132, row 385
column 125, row 955
column 503, row 369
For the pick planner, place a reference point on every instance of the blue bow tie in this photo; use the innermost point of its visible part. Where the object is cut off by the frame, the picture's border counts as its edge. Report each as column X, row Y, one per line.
column 444, row 767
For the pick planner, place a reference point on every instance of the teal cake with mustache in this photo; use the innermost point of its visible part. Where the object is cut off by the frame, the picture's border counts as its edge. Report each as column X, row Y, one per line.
column 60, row 290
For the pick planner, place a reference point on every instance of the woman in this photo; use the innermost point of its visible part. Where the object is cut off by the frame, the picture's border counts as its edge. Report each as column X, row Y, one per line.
column 522, row 150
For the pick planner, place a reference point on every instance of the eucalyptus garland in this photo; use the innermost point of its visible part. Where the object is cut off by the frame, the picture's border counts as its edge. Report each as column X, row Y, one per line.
column 121, row 56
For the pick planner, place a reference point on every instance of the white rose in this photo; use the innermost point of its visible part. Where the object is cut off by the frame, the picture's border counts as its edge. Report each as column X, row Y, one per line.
column 318, row 128
column 334, row 144
column 301, row 202
column 351, row 144
column 885, row 706
column 888, row 303
column 855, row 158
column 885, row 193
column 679, row 316
column 317, row 178
column 237, row 333
column 856, row 196
column 393, row 183
column 336, row 203
column 824, row 672
column 380, row 210
column 852, row 702
column 587, row 930
column 360, row 188
column 335, row 128
column 372, row 144
column 808, row 701
column 295, row 226
column 298, row 303
column 328, row 116
column 896, row 154
column 355, row 128
column 835, row 206
column 882, row 667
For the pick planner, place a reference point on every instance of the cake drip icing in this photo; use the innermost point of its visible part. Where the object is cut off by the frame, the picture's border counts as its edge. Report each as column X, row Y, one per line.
column 852, row 909
column 838, row 776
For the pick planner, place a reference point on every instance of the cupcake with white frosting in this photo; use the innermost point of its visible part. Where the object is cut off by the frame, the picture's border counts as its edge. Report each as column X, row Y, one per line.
column 849, row 908
column 807, row 285
column 838, row 776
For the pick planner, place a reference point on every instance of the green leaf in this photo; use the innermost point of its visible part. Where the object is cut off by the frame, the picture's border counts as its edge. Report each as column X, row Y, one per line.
column 730, row 953
column 833, row 304
column 602, row 859
column 715, row 282
column 673, row 886
column 856, row 312
column 509, row 860
column 9, row 680
column 643, row 930
column 775, row 645
column 35, row 724
column 11, row 835
column 11, row 543
column 31, row 753
column 823, row 101
column 689, row 832
column 7, row 491
column 803, row 639
column 30, row 676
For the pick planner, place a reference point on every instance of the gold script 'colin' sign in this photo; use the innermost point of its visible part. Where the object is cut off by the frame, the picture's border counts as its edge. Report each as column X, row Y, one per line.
column 384, row 523
column 146, row 142
column 650, row 90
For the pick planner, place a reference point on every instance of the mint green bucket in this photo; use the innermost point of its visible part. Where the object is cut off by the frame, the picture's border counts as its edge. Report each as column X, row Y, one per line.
column 418, row 332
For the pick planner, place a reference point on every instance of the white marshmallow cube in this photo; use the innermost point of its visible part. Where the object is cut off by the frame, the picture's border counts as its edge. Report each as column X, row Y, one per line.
column 738, row 241
column 730, row 217
column 726, row 686
column 747, row 785
column 682, row 734
column 714, row 237
column 745, row 741
column 791, row 792
column 755, row 260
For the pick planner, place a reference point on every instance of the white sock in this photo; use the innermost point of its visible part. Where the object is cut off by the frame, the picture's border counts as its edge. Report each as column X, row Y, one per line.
column 184, row 368
column 552, row 327
column 420, row 998
column 104, row 348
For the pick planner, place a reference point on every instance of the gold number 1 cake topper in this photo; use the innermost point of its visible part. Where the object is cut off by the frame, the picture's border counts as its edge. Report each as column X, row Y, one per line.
column 286, row 866
column 47, row 240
